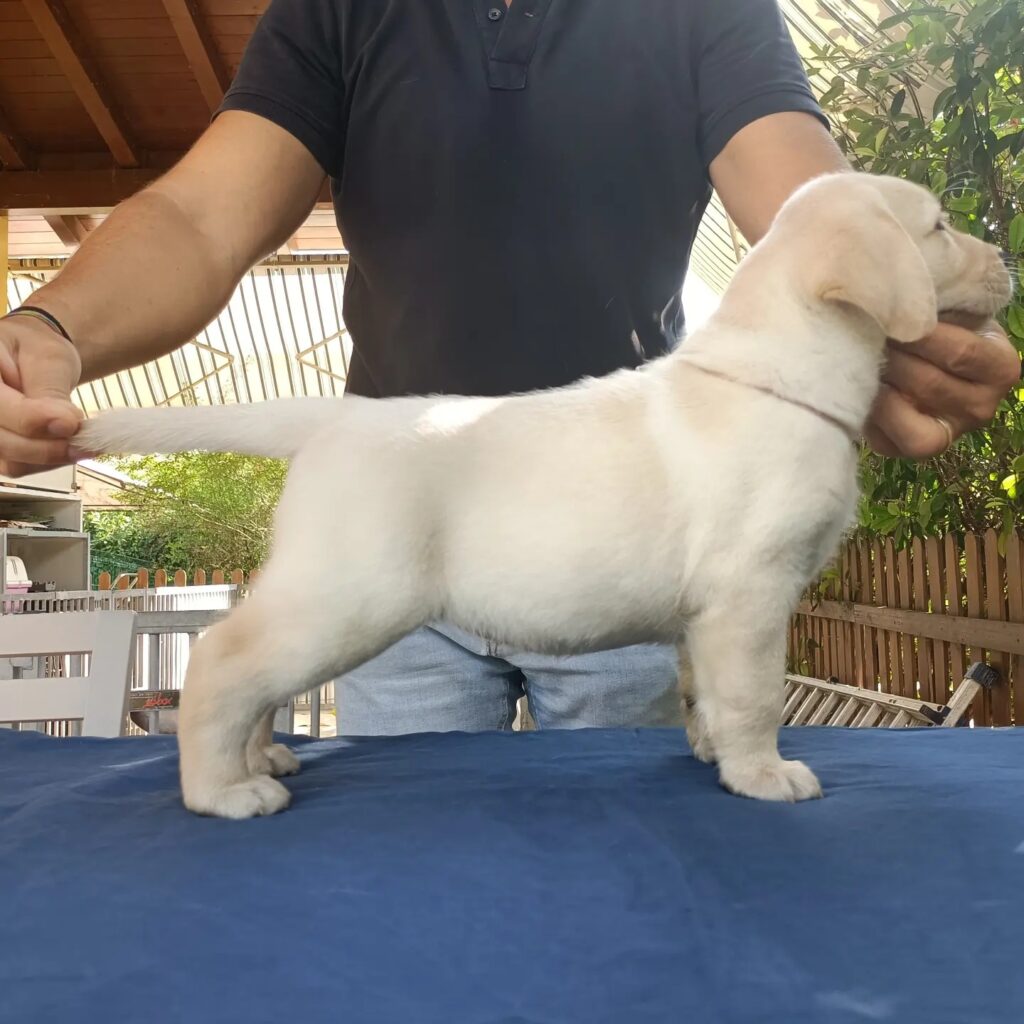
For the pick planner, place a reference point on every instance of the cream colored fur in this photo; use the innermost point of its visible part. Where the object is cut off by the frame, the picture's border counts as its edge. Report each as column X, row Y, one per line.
column 666, row 504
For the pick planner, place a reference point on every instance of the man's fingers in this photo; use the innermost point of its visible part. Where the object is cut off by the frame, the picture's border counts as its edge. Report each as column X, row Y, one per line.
column 37, row 417
column 879, row 442
column 985, row 358
column 935, row 391
column 914, row 434
column 30, row 451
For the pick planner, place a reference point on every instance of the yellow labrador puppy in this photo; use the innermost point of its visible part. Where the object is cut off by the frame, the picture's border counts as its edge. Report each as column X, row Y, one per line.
column 689, row 502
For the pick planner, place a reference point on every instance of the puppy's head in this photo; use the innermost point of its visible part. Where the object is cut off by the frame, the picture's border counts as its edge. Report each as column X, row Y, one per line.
column 883, row 246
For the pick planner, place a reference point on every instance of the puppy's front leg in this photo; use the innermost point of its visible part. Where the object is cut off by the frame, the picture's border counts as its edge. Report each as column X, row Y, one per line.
column 739, row 662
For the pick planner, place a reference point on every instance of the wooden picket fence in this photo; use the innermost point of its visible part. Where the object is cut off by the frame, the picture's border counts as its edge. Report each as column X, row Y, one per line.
column 142, row 579
column 910, row 621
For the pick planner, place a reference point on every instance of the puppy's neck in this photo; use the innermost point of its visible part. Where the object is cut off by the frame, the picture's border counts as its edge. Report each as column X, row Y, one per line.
column 768, row 339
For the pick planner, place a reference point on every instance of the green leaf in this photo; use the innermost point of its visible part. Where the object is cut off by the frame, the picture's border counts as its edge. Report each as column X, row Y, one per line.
column 919, row 36
column 1016, row 233
column 924, row 513
column 963, row 204
column 942, row 99
column 897, row 102
column 893, row 20
column 833, row 92
column 1015, row 320
column 1009, row 528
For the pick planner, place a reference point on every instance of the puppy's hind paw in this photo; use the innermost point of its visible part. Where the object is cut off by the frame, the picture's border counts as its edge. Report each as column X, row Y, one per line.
column 773, row 779
column 700, row 744
column 275, row 759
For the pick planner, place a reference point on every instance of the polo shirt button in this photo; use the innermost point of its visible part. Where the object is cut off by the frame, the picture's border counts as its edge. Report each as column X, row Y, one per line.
column 495, row 13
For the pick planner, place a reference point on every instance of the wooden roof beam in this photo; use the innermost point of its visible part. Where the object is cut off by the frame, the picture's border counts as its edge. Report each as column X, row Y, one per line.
column 71, row 230
column 58, row 30
column 81, row 191
column 15, row 154
column 72, row 191
column 200, row 50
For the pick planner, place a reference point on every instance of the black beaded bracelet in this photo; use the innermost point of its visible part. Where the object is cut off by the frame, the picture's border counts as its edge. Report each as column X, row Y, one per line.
column 41, row 314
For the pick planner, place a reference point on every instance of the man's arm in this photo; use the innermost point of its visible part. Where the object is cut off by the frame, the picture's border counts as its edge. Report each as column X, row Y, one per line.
column 956, row 374
column 150, row 277
column 764, row 163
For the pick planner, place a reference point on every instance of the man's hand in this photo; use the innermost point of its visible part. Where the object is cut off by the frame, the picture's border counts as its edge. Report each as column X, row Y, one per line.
column 38, row 372
column 957, row 375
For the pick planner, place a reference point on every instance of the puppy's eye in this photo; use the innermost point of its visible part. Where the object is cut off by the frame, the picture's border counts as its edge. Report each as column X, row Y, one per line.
column 941, row 225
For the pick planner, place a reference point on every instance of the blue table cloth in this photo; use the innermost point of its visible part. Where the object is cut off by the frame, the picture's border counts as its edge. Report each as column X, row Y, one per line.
column 545, row 878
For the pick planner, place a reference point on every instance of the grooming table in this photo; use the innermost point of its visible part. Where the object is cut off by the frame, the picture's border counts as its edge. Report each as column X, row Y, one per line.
column 592, row 877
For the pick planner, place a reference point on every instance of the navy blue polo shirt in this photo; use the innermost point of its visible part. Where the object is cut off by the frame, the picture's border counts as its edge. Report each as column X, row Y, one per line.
column 518, row 188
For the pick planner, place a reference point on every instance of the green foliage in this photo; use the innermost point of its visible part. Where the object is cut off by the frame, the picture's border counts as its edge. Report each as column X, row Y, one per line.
column 940, row 101
column 121, row 543
column 196, row 510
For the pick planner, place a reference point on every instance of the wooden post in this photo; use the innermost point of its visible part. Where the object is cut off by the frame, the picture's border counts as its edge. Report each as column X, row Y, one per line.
column 974, row 558
column 5, row 223
column 1015, row 607
column 937, row 601
column 995, row 608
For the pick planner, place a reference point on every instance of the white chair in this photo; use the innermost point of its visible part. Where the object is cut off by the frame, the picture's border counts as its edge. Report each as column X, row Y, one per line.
column 98, row 699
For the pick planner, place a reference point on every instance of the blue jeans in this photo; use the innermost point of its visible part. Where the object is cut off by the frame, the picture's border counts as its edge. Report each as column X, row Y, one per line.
column 441, row 679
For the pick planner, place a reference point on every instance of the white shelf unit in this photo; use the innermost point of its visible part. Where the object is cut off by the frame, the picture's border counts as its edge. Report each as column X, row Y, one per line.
column 60, row 554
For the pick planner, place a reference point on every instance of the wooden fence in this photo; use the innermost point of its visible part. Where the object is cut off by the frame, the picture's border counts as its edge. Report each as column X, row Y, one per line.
column 910, row 621
column 142, row 579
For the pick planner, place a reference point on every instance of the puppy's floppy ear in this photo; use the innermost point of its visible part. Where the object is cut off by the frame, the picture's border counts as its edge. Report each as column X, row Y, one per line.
column 871, row 263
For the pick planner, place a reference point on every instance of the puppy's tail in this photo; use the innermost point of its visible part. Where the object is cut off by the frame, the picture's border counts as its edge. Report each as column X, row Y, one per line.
column 276, row 429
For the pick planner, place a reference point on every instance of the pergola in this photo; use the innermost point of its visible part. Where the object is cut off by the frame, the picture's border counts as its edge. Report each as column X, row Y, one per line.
column 99, row 97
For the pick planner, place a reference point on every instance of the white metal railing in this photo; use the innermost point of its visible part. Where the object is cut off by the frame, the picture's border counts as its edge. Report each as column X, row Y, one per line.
column 168, row 622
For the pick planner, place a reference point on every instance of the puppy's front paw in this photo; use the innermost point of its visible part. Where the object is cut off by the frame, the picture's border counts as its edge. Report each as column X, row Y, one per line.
column 275, row 760
column 256, row 796
column 773, row 779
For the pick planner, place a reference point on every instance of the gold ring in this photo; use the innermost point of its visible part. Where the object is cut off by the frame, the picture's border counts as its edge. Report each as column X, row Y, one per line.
column 948, row 428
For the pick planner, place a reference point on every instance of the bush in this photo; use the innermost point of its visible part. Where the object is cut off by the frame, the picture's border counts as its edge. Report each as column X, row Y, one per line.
column 196, row 510
column 940, row 101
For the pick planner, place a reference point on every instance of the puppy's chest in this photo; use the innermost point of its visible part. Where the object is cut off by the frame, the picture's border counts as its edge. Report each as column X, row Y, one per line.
column 818, row 532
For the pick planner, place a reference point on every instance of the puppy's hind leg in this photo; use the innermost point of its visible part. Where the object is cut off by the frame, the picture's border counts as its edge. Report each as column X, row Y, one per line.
column 739, row 660
column 697, row 732
column 264, row 756
column 280, row 643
